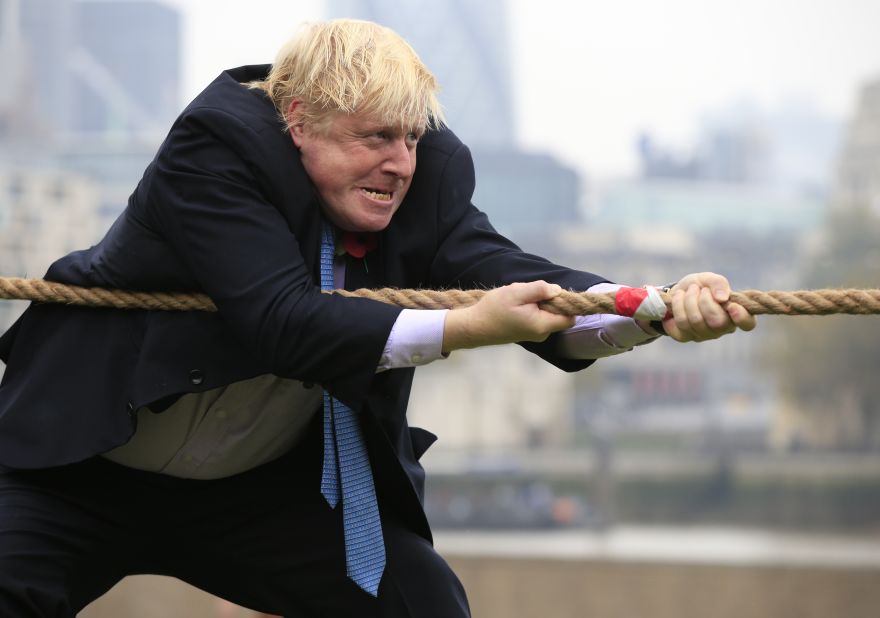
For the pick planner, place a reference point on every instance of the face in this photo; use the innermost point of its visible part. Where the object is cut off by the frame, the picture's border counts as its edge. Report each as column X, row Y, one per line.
column 361, row 169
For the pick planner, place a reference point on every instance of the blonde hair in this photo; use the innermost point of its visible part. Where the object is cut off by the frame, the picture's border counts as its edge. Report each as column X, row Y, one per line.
column 352, row 66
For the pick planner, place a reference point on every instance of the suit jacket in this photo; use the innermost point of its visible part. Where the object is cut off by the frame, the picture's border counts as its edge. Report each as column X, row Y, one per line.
column 226, row 208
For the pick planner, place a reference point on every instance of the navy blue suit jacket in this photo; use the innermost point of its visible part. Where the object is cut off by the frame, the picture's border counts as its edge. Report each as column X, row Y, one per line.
column 226, row 208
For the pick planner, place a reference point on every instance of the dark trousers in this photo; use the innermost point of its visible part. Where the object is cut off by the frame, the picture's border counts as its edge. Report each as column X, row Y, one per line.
column 264, row 539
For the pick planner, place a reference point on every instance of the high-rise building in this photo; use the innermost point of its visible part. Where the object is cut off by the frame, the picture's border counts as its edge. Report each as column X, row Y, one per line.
column 12, row 69
column 126, row 66
column 44, row 38
column 858, row 173
column 465, row 45
column 44, row 213
column 90, row 66
column 89, row 88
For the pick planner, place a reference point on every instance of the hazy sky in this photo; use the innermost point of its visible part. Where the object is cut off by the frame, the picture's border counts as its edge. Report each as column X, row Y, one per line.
column 588, row 76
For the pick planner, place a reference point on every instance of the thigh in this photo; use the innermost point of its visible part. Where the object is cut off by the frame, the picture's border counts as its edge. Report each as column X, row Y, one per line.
column 277, row 547
column 57, row 554
column 267, row 540
column 418, row 582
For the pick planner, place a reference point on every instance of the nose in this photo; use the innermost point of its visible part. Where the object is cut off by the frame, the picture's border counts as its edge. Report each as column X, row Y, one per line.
column 400, row 158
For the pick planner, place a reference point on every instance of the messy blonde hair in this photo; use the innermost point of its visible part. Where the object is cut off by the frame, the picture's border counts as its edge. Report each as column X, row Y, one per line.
column 352, row 66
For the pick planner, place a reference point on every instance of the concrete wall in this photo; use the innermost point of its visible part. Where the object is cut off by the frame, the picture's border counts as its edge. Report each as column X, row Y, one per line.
column 513, row 588
column 150, row 596
column 555, row 588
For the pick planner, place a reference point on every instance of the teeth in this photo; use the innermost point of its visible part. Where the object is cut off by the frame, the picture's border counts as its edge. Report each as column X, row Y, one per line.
column 385, row 197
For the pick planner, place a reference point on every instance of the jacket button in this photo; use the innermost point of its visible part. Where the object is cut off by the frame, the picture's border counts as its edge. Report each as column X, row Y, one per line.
column 196, row 376
column 308, row 385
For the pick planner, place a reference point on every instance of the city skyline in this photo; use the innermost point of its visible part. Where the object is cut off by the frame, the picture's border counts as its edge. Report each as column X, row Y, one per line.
column 615, row 71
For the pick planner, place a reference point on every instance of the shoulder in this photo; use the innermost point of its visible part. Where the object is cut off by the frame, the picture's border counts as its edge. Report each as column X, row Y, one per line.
column 229, row 124
column 441, row 155
column 440, row 142
column 227, row 102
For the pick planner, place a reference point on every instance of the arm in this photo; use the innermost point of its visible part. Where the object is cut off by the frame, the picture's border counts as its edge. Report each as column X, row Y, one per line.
column 471, row 254
column 505, row 315
column 207, row 194
column 700, row 311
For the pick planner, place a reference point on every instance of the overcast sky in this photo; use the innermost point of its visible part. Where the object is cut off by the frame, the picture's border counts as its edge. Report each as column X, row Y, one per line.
column 589, row 76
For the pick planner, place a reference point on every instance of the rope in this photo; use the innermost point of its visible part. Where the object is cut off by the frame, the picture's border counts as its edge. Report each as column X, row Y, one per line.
column 756, row 302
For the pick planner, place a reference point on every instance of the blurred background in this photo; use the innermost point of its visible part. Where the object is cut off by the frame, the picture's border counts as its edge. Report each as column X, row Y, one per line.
column 635, row 139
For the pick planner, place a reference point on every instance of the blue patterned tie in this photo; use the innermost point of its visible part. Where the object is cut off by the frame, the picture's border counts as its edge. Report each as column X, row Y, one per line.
column 347, row 471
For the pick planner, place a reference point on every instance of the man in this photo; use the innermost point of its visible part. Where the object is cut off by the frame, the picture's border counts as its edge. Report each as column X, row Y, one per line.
column 214, row 447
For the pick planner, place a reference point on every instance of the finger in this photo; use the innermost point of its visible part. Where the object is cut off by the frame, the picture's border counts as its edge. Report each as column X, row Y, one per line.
column 554, row 322
column 697, row 324
column 678, row 327
column 534, row 292
column 741, row 318
column 715, row 317
column 672, row 330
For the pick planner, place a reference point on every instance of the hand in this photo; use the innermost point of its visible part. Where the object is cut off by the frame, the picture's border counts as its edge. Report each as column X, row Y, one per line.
column 505, row 315
column 701, row 309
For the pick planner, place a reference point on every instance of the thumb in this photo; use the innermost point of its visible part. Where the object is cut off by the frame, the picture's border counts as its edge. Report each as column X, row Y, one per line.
column 535, row 291
column 718, row 284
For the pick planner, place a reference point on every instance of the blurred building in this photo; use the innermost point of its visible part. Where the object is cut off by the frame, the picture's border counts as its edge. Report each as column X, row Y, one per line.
column 14, row 112
column 726, row 154
column 94, row 66
column 46, row 38
column 791, row 147
column 125, row 66
column 91, row 87
column 465, row 45
column 45, row 212
column 529, row 197
column 701, row 206
column 858, row 171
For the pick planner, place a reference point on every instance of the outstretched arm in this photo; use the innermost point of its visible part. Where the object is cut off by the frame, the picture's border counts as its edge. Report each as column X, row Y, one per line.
column 505, row 315
column 701, row 310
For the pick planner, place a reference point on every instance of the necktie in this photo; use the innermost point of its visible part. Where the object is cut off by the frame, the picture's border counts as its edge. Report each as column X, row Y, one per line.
column 347, row 473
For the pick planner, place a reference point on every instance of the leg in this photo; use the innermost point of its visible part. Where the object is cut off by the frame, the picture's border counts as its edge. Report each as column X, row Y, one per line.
column 289, row 580
column 267, row 540
column 56, row 556
column 417, row 581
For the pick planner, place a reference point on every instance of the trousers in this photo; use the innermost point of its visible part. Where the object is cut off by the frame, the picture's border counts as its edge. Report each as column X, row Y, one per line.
column 264, row 539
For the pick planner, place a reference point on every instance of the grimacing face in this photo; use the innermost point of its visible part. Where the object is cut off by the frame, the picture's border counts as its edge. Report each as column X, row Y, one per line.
column 361, row 169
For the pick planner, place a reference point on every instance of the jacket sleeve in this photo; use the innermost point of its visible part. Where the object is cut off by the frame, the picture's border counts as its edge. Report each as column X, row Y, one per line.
column 208, row 194
column 472, row 254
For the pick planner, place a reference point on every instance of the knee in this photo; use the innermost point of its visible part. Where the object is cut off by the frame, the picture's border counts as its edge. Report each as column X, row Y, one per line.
column 422, row 579
column 30, row 586
column 43, row 563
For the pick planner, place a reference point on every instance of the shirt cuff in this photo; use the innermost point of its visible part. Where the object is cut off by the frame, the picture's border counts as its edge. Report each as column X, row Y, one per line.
column 415, row 339
column 603, row 334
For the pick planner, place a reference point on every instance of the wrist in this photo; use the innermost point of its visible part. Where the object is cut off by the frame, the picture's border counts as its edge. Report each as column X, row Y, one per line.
column 458, row 332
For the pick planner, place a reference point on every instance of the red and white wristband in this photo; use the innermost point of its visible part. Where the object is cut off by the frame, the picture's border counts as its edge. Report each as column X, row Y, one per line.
column 644, row 303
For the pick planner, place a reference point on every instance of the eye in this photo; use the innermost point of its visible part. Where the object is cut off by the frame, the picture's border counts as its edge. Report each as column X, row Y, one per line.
column 412, row 138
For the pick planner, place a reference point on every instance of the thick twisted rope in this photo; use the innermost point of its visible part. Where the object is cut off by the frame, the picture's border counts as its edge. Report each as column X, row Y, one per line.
column 801, row 302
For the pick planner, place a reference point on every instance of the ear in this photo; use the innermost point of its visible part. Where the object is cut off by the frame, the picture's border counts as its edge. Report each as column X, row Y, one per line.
column 295, row 121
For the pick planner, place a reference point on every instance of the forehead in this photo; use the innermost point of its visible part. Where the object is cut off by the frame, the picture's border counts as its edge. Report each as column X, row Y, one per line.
column 357, row 122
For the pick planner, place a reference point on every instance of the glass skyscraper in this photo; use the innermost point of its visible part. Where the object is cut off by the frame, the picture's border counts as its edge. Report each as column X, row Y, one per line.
column 465, row 45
